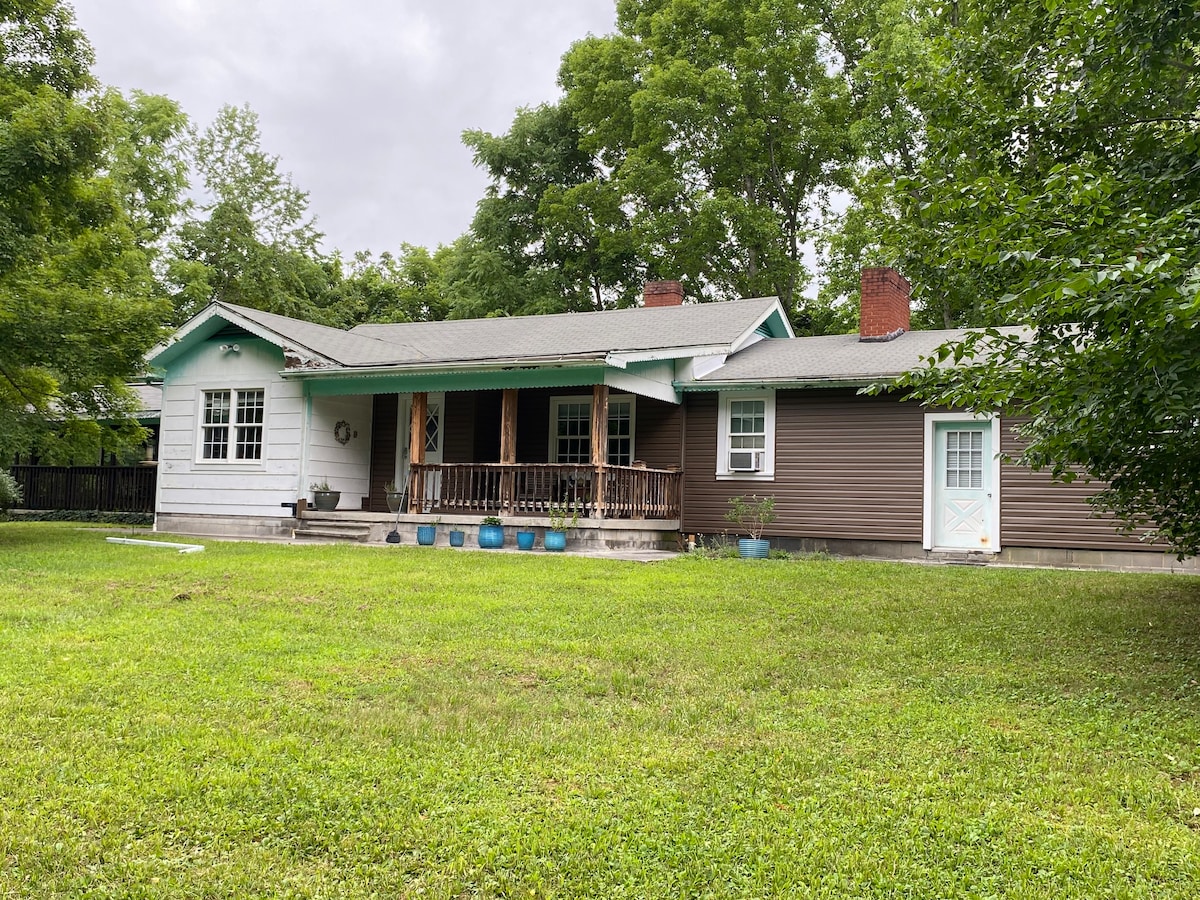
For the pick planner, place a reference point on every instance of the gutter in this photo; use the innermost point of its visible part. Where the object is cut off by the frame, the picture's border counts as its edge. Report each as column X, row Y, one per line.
column 858, row 381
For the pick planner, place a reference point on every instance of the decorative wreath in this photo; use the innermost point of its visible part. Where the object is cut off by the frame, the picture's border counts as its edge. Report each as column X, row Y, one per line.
column 341, row 432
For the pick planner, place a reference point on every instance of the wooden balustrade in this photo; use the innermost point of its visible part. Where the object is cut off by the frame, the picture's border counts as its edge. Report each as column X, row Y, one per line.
column 630, row 492
column 106, row 488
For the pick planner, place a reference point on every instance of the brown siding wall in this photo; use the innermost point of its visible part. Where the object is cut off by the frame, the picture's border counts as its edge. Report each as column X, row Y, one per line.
column 383, row 448
column 658, row 433
column 533, row 426
column 851, row 467
column 1038, row 512
column 846, row 467
column 458, row 428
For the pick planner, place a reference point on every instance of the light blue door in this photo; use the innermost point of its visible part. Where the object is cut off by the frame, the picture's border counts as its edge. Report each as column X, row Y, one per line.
column 963, row 493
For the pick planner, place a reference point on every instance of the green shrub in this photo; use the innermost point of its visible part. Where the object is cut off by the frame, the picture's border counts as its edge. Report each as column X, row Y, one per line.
column 10, row 492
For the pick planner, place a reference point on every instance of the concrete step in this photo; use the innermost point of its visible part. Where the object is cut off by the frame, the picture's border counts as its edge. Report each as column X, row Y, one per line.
column 331, row 531
column 961, row 558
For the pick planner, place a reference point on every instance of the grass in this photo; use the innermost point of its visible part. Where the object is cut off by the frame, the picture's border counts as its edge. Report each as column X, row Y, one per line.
column 279, row 721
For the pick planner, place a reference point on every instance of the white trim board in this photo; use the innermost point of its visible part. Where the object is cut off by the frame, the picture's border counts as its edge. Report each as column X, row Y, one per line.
column 931, row 419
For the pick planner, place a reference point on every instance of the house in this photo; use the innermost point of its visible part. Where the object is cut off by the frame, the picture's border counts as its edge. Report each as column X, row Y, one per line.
column 646, row 420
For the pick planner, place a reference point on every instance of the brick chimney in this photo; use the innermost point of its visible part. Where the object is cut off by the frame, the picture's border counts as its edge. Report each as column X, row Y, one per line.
column 663, row 293
column 884, row 312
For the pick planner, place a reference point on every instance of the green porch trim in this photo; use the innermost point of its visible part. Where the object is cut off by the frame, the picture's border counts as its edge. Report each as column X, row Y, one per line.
column 476, row 380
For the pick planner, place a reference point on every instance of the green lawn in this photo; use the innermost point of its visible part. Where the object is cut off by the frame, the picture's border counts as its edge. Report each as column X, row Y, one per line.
column 299, row 721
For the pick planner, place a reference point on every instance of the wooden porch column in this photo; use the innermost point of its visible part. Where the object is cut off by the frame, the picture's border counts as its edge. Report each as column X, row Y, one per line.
column 416, row 450
column 508, row 446
column 600, row 442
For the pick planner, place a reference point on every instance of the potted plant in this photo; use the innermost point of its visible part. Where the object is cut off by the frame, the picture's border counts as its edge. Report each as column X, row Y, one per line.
column 561, row 519
column 752, row 515
column 491, row 532
column 457, row 537
column 393, row 495
column 427, row 534
column 325, row 498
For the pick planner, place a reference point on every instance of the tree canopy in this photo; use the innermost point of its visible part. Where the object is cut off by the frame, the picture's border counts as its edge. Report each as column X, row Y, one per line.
column 1059, row 183
column 80, row 202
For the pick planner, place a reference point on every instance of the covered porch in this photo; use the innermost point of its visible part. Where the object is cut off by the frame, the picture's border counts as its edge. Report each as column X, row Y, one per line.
column 598, row 434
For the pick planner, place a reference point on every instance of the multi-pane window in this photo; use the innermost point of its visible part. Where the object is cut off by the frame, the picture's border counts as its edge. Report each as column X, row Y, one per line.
column 232, row 418
column 964, row 459
column 747, row 424
column 249, row 424
column 572, row 423
column 620, row 432
column 573, row 433
column 215, row 431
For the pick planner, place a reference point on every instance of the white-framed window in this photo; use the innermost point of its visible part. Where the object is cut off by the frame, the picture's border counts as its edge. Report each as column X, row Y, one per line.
column 231, row 425
column 571, row 430
column 746, row 435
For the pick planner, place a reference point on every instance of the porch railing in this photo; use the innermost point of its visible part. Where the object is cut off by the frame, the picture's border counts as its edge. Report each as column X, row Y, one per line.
column 106, row 488
column 630, row 492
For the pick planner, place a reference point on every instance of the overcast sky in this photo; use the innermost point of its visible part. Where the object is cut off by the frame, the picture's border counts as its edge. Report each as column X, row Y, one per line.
column 363, row 101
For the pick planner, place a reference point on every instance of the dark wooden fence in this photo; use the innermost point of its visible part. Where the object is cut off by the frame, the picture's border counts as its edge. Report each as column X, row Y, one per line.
column 105, row 488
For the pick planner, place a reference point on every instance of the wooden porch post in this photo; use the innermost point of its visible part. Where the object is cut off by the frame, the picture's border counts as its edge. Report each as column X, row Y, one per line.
column 600, row 442
column 416, row 450
column 508, row 446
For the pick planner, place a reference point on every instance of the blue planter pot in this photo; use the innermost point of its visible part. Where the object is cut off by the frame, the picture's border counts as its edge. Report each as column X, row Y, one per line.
column 749, row 548
column 555, row 541
column 457, row 538
column 491, row 536
column 525, row 540
column 426, row 535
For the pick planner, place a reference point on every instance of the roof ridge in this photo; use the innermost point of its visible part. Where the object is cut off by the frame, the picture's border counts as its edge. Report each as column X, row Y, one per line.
column 569, row 314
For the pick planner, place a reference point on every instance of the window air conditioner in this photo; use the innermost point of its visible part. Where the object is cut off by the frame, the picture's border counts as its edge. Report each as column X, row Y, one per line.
column 745, row 460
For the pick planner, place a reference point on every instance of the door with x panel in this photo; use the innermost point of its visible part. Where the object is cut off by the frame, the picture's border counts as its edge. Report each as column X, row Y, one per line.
column 963, row 493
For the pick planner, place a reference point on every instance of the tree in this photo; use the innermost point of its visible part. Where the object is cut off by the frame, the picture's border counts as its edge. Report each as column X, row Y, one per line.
column 78, row 301
column 723, row 124
column 550, row 234
column 1060, row 181
column 256, row 245
column 408, row 287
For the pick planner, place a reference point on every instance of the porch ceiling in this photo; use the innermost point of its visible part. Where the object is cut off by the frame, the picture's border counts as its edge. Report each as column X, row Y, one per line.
column 473, row 380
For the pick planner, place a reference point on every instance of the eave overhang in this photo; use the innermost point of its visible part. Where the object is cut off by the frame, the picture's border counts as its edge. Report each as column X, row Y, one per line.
column 854, row 381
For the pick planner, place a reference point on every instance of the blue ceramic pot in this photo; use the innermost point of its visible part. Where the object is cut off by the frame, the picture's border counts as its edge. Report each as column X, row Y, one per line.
column 426, row 535
column 491, row 536
column 750, row 548
column 457, row 538
column 555, row 540
column 525, row 540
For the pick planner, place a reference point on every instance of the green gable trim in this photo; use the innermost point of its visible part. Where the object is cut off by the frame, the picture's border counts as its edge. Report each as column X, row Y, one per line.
column 774, row 327
column 393, row 383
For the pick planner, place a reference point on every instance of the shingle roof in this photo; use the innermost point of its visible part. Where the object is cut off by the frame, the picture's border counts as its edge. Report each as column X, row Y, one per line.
column 837, row 358
column 576, row 335
column 343, row 347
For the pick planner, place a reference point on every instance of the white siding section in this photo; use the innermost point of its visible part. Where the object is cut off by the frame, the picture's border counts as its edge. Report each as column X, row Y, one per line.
column 187, row 484
column 347, row 467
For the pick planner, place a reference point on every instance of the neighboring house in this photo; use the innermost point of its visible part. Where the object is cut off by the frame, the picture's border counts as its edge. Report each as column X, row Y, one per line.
column 647, row 420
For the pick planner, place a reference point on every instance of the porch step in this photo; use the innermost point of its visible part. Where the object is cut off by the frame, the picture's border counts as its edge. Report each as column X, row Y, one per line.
column 332, row 531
